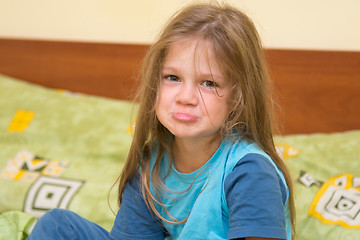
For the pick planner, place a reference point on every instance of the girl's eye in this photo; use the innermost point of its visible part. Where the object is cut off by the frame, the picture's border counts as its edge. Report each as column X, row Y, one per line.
column 172, row 78
column 209, row 84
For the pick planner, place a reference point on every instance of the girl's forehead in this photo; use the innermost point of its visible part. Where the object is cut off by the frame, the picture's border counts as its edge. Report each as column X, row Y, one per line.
column 200, row 50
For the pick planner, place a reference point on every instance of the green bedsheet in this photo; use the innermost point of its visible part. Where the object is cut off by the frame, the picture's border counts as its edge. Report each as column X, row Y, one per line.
column 80, row 139
column 326, row 173
column 15, row 225
column 62, row 149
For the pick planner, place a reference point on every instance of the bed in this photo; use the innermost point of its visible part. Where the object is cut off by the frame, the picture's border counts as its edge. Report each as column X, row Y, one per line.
column 67, row 119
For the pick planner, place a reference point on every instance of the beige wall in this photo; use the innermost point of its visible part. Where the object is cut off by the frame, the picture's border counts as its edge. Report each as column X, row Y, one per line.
column 305, row 24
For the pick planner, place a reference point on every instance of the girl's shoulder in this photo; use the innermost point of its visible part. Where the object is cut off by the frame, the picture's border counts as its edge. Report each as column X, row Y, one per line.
column 236, row 149
column 250, row 157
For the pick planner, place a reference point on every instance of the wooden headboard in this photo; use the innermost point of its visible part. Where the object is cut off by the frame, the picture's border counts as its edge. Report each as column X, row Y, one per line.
column 318, row 91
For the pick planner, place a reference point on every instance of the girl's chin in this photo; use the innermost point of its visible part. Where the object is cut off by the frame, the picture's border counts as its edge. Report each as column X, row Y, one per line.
column 186, row 134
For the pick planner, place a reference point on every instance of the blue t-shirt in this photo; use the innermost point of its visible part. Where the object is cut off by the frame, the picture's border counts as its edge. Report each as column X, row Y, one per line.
column 239, row 192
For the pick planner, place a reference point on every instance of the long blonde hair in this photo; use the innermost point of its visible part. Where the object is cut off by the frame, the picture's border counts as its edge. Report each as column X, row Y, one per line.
column 237, row 47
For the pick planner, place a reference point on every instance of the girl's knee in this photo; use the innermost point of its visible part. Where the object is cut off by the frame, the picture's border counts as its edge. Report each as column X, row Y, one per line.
column 53, row 224
column 55, row 214
column 64, row 224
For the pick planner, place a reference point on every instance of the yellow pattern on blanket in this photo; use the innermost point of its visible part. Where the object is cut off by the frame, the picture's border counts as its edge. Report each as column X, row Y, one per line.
column 27, row 167
column 20, row 121
column 338, row 202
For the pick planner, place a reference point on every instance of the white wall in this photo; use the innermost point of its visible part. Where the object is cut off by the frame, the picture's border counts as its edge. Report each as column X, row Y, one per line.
column 301, row 24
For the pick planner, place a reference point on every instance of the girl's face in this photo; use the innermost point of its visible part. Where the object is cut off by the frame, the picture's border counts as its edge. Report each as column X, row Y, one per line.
column 193, row 96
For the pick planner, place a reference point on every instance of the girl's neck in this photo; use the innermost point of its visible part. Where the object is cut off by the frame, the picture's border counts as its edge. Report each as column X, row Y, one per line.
column 191, row 154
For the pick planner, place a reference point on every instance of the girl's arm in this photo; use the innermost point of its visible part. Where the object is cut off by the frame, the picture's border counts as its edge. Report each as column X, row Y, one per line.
column 256, row 196
column 134, row 220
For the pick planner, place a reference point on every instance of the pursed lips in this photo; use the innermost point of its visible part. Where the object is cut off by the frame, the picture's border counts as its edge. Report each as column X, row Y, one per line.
column 184, row 117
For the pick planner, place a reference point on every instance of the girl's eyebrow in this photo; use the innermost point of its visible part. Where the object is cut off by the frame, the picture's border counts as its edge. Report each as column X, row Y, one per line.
column 210, row 76
column 170, row 68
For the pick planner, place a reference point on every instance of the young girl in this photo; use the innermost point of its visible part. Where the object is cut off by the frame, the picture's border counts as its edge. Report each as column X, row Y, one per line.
column 202, row 164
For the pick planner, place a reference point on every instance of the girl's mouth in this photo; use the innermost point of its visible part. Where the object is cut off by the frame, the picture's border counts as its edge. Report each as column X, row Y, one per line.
column 184, row 117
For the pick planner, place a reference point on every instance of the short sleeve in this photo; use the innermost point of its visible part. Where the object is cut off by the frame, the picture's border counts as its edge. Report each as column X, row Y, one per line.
column 255, row 195
column 134, row 220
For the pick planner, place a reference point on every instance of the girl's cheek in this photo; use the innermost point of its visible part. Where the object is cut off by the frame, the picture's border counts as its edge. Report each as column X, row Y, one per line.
column 158, row 93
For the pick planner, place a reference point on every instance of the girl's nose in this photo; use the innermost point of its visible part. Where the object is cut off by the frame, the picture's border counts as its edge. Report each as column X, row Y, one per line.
column 187, row 94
